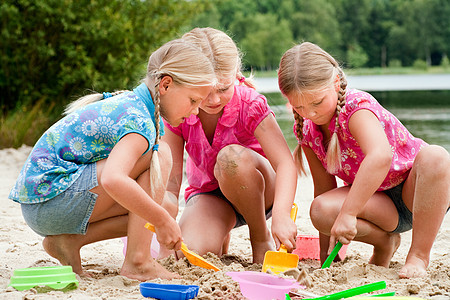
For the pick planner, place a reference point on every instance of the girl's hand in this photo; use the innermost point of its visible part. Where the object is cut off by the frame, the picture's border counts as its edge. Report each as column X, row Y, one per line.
column 284, row 231
column 343, row 230
column 169, row 235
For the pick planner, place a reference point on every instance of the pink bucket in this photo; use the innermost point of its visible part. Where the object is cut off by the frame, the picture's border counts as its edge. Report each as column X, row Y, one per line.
column 154, row 251
column 307, row 247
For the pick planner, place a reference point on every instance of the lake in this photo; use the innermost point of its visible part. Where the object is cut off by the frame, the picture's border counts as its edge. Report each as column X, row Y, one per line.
column 426, row 114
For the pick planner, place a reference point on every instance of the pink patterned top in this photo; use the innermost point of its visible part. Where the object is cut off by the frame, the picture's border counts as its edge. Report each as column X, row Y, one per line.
column 237, row 125
column 404, row 146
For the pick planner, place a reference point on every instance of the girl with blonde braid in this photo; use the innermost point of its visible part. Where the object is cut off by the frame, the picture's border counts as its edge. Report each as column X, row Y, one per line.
column 239, row 169
column 394, row 182
column 101, row 172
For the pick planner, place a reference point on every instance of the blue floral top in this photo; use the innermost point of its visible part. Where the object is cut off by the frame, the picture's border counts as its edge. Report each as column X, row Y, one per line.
column 80, row 138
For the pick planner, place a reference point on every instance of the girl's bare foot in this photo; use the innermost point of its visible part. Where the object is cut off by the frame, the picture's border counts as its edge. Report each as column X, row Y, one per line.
column 382, row 255
column 148, row 270
column 414, row 267
column 63, row 248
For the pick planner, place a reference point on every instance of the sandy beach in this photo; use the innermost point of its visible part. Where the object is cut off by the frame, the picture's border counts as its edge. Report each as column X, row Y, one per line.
column 20, row 247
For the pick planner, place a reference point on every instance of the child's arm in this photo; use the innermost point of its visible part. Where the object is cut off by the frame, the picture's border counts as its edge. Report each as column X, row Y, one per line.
column 176, row 144
column 117, row 182
column 323, row 182
column 368, row 132
column 272, row 141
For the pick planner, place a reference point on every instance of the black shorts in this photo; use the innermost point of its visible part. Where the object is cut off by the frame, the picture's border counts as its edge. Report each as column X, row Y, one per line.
column 405, row 216
column 240, row 221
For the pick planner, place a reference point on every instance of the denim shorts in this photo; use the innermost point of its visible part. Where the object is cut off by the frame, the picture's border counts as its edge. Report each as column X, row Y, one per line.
column 67, row 213
column 240, row 221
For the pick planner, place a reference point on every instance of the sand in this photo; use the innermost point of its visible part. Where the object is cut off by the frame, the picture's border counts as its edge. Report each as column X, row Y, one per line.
column 20, row 247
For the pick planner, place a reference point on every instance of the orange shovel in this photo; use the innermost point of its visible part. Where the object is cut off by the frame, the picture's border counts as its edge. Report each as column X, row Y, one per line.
column 193, row 257
column 280, row 261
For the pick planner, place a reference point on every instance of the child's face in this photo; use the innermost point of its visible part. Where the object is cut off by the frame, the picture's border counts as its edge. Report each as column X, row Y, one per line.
column 218, row 97
column 319, row 107
column 179, row 102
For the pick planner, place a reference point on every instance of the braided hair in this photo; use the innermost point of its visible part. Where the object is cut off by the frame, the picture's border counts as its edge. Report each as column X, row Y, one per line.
column 187, row 66
column 307, row 68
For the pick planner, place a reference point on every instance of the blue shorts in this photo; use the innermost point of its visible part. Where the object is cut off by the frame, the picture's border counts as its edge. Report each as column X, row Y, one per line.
column 240, row 221
column 67, row 213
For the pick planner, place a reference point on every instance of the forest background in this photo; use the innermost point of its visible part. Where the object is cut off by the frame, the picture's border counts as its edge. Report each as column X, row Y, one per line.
column 54, row 51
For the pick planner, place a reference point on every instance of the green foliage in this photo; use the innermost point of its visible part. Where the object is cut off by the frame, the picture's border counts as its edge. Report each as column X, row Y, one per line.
column 26, row 123
column 52, row 51
column 395, row 63
column 420, row 64
column 356, row 56
column 265, row 40
column 445, row 62
column 57, row 48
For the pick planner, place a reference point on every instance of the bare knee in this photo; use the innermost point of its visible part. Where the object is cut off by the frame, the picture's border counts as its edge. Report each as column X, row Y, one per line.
column 433, row 162
column 322, row 214
column 232, row 161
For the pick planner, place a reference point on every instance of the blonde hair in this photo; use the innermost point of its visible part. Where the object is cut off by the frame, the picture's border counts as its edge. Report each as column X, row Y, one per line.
column 221, row 51
column 186, row 65
column 307, row 68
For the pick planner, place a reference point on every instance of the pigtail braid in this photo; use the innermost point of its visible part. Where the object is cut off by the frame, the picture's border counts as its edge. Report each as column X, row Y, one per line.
column 156, row 182
column 298, row 153
column 334, row 149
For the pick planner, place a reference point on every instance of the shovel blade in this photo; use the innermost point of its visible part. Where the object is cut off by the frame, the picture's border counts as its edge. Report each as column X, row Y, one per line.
column 196, row 259
column 279, row 262
column 191, row 256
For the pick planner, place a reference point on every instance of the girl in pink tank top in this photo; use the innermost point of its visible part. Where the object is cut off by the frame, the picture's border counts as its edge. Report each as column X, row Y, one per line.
column 239, row 167
column 389, row 176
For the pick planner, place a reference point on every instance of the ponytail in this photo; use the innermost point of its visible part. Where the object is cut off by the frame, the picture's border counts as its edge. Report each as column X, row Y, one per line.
column 88, row 99
column 245, row 81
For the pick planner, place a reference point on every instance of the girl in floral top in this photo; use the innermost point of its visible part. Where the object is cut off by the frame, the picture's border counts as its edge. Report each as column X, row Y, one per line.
column 95, row 174
column 392, row 181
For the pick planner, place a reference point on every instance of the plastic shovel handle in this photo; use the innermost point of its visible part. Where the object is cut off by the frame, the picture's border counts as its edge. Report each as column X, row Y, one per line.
column 294, row 210
column 355, row 291
column 332, row 255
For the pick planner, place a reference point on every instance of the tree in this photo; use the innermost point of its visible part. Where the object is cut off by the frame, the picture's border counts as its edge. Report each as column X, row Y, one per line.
column 53, row 48
column 316, row 22
column 265, row 41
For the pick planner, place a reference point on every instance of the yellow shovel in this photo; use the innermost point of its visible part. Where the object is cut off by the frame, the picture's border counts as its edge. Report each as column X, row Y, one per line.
column 280, row 261
column 193, row 257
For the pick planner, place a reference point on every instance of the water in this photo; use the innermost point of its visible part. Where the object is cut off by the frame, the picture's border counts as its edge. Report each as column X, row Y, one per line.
column 425, row 114
column 412, row 82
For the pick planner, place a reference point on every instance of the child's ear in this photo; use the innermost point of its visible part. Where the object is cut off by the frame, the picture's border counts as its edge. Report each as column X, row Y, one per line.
column 164, row 85
column 337, row 83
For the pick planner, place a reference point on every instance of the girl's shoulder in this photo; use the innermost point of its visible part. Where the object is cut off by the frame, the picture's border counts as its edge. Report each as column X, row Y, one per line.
column 247, row 95
column 355, row 98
